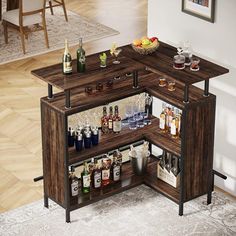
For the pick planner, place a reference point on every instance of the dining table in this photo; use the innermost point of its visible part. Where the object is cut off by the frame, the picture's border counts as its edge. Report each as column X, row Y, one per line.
column 11, row 4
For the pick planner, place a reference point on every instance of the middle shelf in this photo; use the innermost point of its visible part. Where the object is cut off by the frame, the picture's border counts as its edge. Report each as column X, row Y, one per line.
column 113, row 141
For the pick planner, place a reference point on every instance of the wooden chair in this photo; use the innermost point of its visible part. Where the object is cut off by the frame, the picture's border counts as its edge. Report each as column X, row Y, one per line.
column 56, row 3
column 30, row 13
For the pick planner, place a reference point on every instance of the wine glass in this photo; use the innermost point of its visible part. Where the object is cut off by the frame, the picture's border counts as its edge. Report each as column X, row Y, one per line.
column 116, row 53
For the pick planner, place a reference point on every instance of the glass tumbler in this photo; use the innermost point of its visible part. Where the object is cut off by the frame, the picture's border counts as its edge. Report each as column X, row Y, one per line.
column 132, row 123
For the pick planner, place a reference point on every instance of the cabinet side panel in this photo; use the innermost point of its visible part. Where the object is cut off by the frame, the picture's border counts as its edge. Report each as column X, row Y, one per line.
column 53, row 154
column 198, row 148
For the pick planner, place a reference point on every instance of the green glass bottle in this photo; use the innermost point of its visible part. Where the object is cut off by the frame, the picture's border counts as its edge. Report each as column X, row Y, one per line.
column 80, row 57
column 85, row 178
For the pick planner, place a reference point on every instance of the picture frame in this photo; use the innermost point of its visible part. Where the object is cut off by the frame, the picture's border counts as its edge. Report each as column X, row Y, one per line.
column 204, row 9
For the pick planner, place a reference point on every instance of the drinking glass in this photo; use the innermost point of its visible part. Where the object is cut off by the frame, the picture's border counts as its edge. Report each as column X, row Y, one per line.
column 116, row 54
column 132, row 123
column 195, row 64
column 128, row 111
column 187, row 52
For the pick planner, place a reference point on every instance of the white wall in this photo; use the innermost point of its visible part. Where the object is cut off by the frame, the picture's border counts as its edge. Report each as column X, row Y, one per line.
column 216, row 42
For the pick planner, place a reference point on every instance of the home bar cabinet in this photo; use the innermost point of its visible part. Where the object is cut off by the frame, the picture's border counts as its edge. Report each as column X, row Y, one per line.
column 194, row 149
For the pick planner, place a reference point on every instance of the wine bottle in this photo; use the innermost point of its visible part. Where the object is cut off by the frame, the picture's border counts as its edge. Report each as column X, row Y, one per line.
column 116, row 121
column 96, row 176
column 85, row 177
column 66, row 61
column 80, row 57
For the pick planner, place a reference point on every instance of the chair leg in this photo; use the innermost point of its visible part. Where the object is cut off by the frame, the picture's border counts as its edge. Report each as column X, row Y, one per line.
column 22, row 39
column 64, row 9
column 51, row 7
column 45, row 32
column 5, row 31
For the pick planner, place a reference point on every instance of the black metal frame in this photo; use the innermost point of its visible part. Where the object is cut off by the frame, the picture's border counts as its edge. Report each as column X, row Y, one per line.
column 135, row 79
column 67, row 101
column 50, row 91
column 186, row 94
column 206, row 88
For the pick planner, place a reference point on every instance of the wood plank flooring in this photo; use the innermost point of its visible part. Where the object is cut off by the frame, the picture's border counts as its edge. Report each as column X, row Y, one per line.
column 20, row 136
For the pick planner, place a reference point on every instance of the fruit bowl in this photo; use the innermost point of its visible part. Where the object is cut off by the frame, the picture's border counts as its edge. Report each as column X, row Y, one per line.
column 145, row 46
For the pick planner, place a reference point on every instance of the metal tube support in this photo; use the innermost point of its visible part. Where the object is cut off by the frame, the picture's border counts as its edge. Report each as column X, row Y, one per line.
column 181, row 209
column 36, row 179
column 186, row 94
column 135, row 79
column 67, row 216
column 67, row 92
column 50, row 92
column 45, row 201
column 210, row 188
column 206, row 89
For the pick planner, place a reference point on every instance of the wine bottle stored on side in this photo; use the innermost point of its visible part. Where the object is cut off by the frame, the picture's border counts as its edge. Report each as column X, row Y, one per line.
column 81, row 57
column 66, row 61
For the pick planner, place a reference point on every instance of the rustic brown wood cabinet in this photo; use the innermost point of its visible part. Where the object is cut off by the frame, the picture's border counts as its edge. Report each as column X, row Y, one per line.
column 195, row 148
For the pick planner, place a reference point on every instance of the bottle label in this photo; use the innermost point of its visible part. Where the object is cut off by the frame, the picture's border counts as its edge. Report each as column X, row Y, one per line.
column 75, row 188
column 169, row 121
column 67, row 67
column 116, row 173
column 162, row 123
column 105, row 174
column 97, row 180
column 82, row 59
column 117, row 126
column 110, row 124
column 86, row 181
column 173, row 128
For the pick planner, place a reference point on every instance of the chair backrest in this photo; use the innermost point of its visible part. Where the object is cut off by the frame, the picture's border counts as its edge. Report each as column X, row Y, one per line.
column 32, row 5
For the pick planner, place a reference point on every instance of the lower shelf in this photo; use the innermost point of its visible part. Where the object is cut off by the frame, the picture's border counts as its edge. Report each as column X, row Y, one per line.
column 128, row 180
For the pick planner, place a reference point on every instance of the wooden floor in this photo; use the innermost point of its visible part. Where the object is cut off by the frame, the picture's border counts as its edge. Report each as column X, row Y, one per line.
column 20, row 138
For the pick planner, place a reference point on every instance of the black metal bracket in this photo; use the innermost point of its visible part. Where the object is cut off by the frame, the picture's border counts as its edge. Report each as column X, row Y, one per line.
column 186, row 94
column 135, row 79
column 36, row 179
column 50, row 91
column 67, row 105
column 206, row 88
column 214, row 172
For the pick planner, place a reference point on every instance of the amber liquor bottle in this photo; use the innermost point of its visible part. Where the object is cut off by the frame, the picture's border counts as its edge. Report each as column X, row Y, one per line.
column 110, row 119
column 106, row 165
column 96, row 176
column 116, row 121
column 104, row 121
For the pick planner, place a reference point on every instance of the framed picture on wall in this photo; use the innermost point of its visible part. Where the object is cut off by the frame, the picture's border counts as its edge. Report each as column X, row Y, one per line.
column 204, row 9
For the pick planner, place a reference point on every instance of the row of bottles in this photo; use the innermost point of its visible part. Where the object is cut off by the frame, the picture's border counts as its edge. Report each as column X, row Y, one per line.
column 83, row 137
column 170, row 162
column 98, row 173
column 112, row 122
column 67, row 59
column 170, row 120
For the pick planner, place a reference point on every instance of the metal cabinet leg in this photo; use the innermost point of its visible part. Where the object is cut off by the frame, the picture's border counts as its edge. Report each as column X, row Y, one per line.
column 46, row 201
column 209, row 195
column 67, row 216
column 181, row 209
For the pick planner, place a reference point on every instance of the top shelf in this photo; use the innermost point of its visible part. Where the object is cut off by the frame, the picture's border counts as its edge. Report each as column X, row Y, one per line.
column 162, row 61
column 53, row 74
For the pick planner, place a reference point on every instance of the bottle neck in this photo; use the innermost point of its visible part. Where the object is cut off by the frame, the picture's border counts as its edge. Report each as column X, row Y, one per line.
column 66, row 47
column 80, row 43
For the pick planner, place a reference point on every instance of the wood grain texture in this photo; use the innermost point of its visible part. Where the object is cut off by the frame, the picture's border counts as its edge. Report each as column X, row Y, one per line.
column 53, row 142
column 198, row 150
column 94, row 73
column 162, row 60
